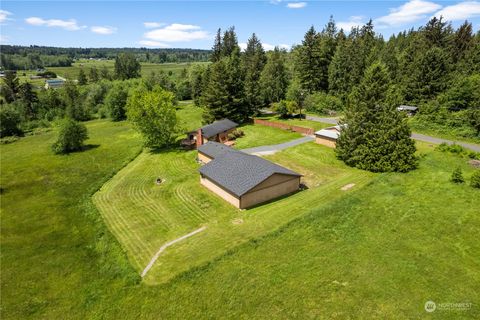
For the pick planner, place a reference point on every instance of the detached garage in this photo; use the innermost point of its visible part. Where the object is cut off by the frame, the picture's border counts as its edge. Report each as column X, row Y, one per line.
column 242, row 179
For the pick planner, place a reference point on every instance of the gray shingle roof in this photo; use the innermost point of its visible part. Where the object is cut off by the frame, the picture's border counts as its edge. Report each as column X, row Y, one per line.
column 214, row 149
column 239, row 172
column 217, row 127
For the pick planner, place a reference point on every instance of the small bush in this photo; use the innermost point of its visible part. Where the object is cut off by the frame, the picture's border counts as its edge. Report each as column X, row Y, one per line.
column 237, row 133
column 475, row 179
column 9, row 121
column 71, row 136
column 458, row 150
column 457, row 176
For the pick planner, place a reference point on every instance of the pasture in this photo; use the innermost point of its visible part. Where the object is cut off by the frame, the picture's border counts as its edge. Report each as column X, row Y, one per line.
column 147, row 68
column 377, row 251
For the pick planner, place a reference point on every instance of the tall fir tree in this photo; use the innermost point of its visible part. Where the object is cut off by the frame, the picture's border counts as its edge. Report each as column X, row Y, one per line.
column 254, row 60
column 215, row 96
column 328, row 43
column 374, row 135
column 217, row 47
column 308, row 63
column 229, row 42
column 274, row 77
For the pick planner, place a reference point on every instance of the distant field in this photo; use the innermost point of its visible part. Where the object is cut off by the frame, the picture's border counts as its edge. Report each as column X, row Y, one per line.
column 144, row 215
column 147, row 68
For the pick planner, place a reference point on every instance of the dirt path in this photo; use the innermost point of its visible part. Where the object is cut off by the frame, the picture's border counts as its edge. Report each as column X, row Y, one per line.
column 166, row 245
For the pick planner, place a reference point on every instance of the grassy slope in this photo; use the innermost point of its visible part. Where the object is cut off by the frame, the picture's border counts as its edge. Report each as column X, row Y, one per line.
column 257, row 135
column 378, row 253
column 52, row 239
column 144, row 216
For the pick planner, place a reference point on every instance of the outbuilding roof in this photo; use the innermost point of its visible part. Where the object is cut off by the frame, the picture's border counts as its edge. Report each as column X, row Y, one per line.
column 239, row 172
column 214, row 149
column 217, row 127
column 330, row 132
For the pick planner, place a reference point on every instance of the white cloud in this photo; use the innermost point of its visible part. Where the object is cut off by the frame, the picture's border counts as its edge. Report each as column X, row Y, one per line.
column 460, row 11
column 411, row 11
column 296, row 5
column 103, row 29
column 155, row 44
column 177, row 32
column 4, row 16
column 354, row 21
column 151, row 25
column 70, row 25
column 3, row 39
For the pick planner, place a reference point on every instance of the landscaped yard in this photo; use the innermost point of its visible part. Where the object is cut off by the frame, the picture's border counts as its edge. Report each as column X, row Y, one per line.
column 144, row 215
column 380, row 251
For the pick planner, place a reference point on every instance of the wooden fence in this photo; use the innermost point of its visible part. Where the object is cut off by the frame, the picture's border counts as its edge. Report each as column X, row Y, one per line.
column 284, row 126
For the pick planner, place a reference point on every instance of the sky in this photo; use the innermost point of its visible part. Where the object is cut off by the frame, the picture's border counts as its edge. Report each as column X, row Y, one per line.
column 193, row 24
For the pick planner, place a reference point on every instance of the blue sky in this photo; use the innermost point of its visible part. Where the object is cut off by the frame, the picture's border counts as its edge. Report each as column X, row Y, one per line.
column 192, row 24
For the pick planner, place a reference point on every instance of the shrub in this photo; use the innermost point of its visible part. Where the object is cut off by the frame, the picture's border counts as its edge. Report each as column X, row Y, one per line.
column 237, row 133
column 475, row 179
column 285, row 108
column 71, row 136
column 322, row 103
column 9, row 121
column 457, row 176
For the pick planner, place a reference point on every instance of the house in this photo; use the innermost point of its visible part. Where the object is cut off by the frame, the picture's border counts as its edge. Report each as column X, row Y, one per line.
column 54, row 83
column 410, row 110
column 242, row 179
column 217, row 131
column 328, row 136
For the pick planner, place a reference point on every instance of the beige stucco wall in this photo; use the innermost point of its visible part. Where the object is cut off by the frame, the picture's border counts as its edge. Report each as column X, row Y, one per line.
column 203, row 158
column 219, row 191
column 325, row 141
column 270, row 190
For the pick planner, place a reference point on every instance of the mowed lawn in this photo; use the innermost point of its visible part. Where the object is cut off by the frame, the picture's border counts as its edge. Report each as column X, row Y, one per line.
column 380, row 251
column 144, row 215
column 299, row 122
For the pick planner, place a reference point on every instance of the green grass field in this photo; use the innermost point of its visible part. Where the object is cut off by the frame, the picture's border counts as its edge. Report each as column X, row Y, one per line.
column 380, row 251
column 147, row 68
column 299, row 122
column 144, row 215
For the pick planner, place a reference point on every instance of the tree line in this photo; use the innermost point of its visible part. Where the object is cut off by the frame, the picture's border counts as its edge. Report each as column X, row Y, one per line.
column 33, row 57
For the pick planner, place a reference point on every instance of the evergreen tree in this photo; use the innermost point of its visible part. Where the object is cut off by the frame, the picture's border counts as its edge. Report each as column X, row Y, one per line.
column 238, row 110
column 340, row 78
column 430, row 74
column 29, row 98
column 437, row 32
column 375, row 136
column 274, row 78
column 328, row 44
column 254, row 60
column 308, row 63
column 10, row 86
column 229, row 42
column 126, row 66
column 93, row 75
column 462, row 41
column 215, row 96
column 82, row 78
column 457, row 176
column 217, row 47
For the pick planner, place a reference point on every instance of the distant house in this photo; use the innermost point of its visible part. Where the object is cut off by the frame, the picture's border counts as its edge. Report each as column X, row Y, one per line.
column 410, row 110
column 242, row 179
column 54, row 83
column 328, row 136
column 217, row 131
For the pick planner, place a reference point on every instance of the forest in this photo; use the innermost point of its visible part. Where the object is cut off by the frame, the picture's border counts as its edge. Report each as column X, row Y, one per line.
column 436, row 68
